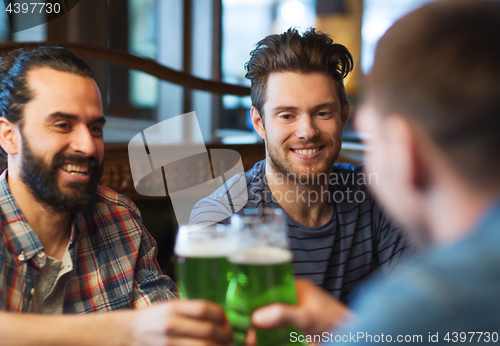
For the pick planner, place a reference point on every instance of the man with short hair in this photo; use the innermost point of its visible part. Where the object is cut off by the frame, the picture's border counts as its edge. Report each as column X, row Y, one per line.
column 338, row 234
column 432, row 106
column 67, row 245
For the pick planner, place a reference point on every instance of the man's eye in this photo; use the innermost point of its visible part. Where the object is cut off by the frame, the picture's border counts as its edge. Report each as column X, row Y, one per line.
column 286, row 116
column 324, row 114
column 96, row 130
column 62, row 126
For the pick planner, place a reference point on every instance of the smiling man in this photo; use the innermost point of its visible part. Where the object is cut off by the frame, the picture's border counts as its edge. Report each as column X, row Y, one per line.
column 67, row 245
column 338, row 234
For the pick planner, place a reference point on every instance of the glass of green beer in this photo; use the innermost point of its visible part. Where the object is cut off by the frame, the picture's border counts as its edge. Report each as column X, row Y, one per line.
column 263, row 274
column 202, row 268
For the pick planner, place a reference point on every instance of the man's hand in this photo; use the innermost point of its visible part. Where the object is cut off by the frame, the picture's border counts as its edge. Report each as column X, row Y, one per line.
column 317, row 311
column 182, row 323
column 173, row 323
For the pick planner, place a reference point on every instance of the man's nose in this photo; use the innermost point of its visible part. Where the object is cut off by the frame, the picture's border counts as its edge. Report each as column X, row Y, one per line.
column 307, row 128
column 83, row 142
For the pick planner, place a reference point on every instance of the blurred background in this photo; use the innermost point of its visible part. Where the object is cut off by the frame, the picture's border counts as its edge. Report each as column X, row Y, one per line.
column 208, row 39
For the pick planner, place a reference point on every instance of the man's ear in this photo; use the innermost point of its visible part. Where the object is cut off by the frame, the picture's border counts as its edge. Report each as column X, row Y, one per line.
column 257, row 122
column 346, row 114
column 408, row 148
column 8, row 136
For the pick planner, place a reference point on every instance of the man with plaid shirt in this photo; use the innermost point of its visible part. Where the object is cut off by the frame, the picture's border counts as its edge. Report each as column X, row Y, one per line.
column 68, row 246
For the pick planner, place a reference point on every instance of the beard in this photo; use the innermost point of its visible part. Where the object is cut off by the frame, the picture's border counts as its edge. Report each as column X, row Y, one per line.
column 315, row 175
column 41, row 179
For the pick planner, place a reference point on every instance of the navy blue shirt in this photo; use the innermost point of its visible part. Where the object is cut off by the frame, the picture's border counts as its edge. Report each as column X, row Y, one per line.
column 337, row 255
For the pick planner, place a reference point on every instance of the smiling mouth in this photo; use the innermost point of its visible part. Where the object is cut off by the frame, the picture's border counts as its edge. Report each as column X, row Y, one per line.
column 78, row 170
column 307, row 151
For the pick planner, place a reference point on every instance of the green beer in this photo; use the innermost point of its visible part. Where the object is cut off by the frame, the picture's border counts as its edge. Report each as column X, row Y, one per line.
column 203, row 278
column 262, row 276
column 202, row 268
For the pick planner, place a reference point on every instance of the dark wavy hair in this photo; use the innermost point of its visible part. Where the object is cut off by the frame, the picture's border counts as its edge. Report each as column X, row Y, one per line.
column 14, row 68
column 311, row 52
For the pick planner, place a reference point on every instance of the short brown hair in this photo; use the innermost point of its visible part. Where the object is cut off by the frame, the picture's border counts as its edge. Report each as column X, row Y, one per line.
column 440, row 67
column 311, row 52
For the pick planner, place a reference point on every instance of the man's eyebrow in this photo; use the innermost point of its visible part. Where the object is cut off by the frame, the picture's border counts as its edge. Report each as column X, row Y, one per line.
column 291, row 108
column 283, row 108
column 326, row 104
column 60, row 115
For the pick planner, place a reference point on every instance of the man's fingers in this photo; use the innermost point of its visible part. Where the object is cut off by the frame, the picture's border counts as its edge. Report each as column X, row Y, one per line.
column 200, row 309
column 181, row 326
column 251, row 338
column 181, row 341
column 275, row 316
column 317, row 311
column 307, row 291
column 182, row 323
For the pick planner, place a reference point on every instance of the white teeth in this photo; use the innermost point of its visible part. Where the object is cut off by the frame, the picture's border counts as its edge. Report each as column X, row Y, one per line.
column 306, row 151
column 78, row 170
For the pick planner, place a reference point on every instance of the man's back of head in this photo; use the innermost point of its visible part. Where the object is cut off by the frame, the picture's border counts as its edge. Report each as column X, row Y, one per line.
column 439, row 67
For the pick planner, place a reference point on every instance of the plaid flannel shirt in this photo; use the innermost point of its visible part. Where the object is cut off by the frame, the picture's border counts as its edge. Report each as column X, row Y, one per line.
column 114, row 258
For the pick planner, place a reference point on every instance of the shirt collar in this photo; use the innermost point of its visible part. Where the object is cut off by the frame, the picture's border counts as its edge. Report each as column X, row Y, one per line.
column 14, row 224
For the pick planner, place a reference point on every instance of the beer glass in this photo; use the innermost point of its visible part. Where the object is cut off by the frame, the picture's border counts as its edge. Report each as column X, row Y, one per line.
column 263, row 274
column 202, row 268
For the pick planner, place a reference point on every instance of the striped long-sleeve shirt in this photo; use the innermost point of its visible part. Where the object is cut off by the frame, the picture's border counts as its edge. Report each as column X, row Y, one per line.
column 114, row 258
column 339, row 254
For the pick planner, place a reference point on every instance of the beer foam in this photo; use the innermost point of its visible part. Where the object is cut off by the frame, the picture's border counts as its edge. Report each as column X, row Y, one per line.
column 262, row 255
column 209, row 248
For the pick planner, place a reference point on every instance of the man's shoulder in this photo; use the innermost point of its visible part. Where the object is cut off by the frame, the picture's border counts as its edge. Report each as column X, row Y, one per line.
column 257, row 171
column 455, row 278
column 438, row 291
column 237, row 193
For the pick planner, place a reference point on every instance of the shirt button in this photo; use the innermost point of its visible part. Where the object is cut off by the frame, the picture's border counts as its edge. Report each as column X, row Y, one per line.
column 52, row 280
column 32, row 291
column 21, row 256
column 40, row 254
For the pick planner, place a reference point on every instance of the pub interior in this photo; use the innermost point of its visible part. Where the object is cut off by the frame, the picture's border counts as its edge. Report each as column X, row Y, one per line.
column 181, row 130
column 202, row 46
column 157, row 59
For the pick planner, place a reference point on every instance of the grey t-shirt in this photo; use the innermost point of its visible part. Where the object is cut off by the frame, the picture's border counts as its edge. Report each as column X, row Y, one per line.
column 50, row 284
column 339, row 254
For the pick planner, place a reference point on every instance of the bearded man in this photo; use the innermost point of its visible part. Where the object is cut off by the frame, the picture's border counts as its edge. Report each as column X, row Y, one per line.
column 68, row 246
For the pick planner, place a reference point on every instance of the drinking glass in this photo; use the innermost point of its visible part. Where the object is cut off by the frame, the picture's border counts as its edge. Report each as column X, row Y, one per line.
column 263, row 274
column 202, row 268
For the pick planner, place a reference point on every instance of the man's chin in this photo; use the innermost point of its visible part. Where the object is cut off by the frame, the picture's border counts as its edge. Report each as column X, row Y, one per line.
column 73, row 203
column 303, row 174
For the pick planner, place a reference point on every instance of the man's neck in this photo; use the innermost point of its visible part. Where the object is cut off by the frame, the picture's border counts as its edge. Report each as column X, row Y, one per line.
column 52, row 228
column 456, row 210
column 309, row 205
